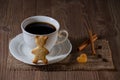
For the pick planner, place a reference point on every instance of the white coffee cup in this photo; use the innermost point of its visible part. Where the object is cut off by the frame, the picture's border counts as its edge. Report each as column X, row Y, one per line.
column 52, row 40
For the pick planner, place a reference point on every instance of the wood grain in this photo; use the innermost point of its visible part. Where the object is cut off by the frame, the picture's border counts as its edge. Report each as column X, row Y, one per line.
column 104, row 16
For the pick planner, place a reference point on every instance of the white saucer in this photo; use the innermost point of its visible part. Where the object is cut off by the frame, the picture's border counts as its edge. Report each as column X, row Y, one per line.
column 22, row 53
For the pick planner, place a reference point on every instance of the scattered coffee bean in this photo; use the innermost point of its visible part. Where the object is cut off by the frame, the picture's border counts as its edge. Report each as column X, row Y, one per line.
column 105, row 60
column 99, row 56
column 99, row 47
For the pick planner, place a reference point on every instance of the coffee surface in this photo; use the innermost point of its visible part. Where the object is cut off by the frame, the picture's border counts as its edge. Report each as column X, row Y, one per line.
column 40, row 28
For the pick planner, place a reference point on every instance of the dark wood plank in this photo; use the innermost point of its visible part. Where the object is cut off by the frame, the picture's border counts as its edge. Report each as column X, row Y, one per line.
column 43, row 7
column 114, row 11
column 3, row 35
column 29, row 8
column 3, row 11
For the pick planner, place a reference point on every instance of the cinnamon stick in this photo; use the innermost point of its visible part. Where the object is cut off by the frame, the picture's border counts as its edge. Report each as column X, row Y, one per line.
column 92, row 43
column 87, row 42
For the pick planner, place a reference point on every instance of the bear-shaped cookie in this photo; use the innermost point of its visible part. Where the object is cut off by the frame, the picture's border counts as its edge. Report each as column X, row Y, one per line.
column 40, row 51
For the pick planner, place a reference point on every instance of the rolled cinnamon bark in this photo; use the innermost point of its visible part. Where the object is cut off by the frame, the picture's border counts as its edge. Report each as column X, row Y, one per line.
column 87, row 42
column 92, row 43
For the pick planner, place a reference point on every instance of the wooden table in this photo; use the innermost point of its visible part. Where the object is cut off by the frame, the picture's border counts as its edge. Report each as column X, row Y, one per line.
column 70, row 14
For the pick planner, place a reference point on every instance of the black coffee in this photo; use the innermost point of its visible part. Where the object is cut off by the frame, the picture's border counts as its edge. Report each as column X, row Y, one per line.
column 40, row 28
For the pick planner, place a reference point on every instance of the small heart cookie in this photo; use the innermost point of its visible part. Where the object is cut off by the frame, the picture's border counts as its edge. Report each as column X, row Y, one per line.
column 82, row 58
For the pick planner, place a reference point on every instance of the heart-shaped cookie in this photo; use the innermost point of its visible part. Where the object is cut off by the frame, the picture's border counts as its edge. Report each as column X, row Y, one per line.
column 82, row 58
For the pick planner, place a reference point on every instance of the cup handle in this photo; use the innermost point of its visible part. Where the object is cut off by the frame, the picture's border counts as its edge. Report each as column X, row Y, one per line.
column 62, row 36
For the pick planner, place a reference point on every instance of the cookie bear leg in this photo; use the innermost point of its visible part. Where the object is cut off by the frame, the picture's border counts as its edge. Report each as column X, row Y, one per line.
column 35, row 60
column 45, row 61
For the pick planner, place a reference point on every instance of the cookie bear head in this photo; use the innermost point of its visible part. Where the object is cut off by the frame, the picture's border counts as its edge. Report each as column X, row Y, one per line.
column 41, row 40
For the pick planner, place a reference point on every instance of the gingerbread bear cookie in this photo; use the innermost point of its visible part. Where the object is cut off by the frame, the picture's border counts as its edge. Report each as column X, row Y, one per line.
column 40, row 51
